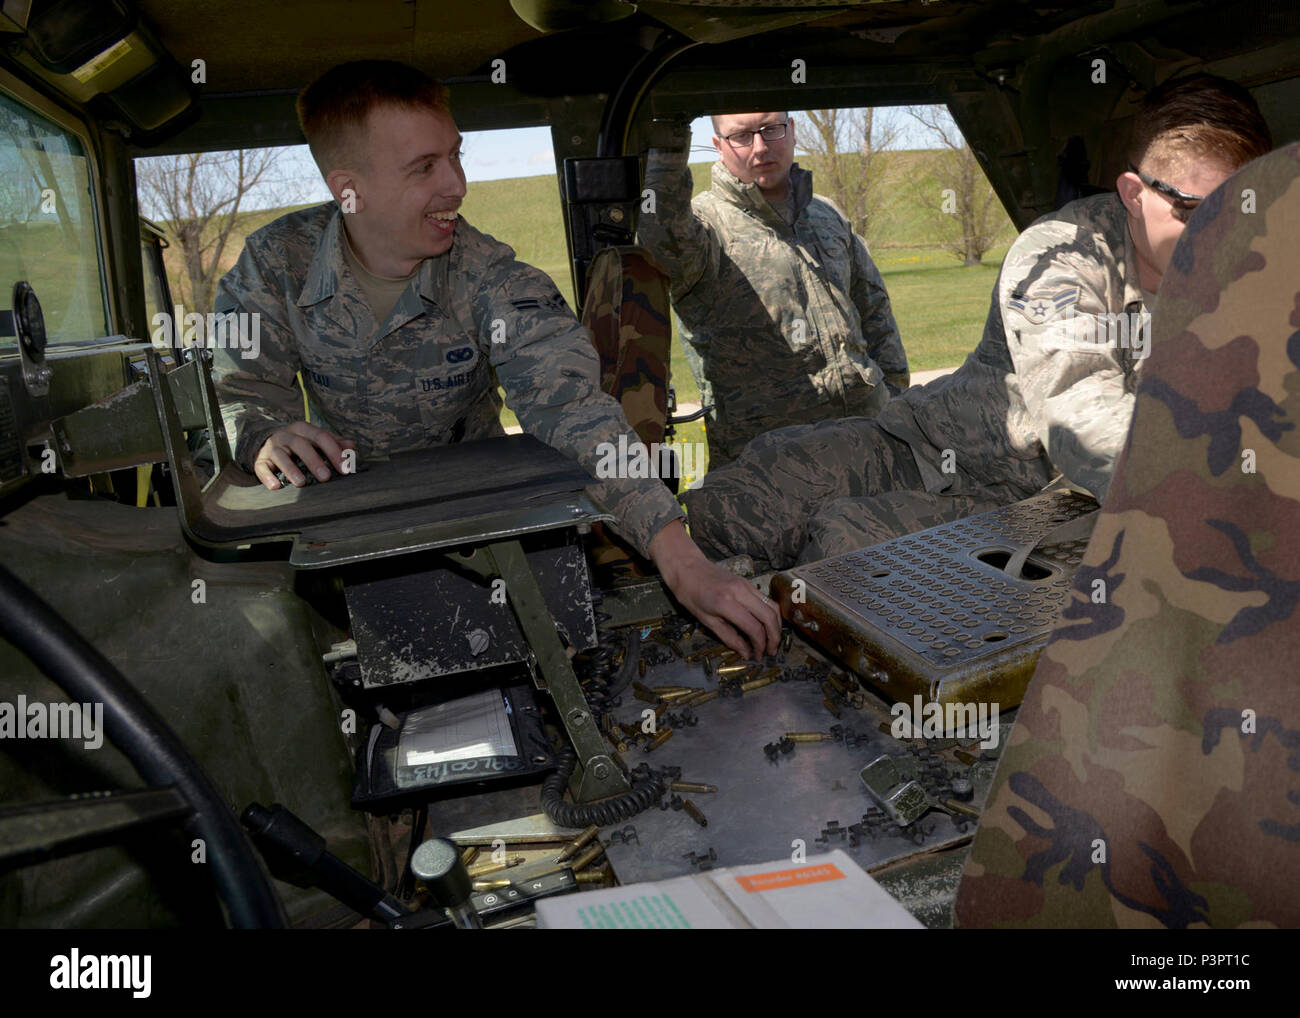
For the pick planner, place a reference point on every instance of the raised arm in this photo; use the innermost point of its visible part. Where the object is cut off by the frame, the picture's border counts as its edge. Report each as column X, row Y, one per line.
column 685, row 246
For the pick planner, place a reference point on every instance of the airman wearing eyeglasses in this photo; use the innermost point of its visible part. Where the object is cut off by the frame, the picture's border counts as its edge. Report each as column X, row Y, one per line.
column 784, row 316
column 1047, row 394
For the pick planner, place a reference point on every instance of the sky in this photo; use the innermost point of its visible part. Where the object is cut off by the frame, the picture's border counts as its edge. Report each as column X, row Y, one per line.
column 517, row 152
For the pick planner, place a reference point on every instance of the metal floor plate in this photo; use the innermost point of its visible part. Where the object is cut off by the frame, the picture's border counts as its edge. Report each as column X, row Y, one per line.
column 763, row 808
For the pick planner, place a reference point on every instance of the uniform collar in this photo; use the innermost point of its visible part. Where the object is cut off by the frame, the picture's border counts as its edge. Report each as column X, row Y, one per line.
column 326, row 266
column 326, row 269
column 750, row 198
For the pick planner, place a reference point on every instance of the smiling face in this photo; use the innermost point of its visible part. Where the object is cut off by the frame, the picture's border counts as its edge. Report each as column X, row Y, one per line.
column 1153, row 224
column 762, row 162
column 408, row 186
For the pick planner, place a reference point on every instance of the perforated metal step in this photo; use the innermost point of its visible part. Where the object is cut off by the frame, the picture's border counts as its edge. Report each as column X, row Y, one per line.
column 934, row 612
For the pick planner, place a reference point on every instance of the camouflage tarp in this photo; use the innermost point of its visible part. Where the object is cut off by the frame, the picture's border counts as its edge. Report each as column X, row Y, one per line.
column 1153, row 775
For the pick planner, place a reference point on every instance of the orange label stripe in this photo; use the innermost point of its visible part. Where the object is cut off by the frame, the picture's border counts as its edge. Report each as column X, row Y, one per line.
column 789, row 878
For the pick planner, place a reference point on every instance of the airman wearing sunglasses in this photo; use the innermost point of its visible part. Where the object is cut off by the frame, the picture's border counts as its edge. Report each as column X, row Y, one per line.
column 1048, row 391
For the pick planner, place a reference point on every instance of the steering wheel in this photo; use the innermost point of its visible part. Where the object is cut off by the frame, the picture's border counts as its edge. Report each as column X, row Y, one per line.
column 147, row 740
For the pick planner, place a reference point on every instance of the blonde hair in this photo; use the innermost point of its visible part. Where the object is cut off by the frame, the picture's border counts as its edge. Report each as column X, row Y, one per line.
column 1195, row 119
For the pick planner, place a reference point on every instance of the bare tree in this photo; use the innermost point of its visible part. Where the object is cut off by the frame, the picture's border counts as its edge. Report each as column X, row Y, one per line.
column 847, row 148
column 198, row 196
column 956, row 189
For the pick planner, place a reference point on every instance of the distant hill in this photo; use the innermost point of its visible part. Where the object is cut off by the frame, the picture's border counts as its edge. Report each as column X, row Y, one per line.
column 524, row 212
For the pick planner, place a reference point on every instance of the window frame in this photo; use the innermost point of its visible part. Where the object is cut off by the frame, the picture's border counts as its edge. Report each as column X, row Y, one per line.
column 37, row 102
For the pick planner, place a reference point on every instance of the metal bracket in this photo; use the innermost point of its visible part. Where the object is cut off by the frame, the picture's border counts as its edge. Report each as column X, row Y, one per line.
column 596, row 775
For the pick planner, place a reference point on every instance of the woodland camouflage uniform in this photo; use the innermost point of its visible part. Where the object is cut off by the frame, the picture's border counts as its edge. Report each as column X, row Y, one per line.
column 1045, row 391
column 789, row 323
column 428, row 375
column 1163, row 724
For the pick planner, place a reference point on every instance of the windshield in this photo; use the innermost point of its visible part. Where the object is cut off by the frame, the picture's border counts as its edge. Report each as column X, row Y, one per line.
column 47, row 225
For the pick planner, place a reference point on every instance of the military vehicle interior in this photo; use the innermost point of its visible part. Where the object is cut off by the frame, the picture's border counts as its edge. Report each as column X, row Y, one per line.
column 322, row 683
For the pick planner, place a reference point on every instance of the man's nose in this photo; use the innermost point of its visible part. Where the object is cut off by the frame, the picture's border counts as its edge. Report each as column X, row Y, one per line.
column 760, row 144
column 452, row 184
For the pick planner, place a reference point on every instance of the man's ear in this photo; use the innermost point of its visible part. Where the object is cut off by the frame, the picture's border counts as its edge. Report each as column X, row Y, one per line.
column 346, row 190
column 717, row 143
column 1129, row 185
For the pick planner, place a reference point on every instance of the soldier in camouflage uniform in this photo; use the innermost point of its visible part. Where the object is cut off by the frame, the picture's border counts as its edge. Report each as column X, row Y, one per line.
column 1048, row 390
column 779, row 302
column 1153, row 775
column 403, row 319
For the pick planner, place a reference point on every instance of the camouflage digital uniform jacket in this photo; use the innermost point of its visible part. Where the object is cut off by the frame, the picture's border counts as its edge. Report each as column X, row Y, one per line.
column 1152, row 778
column 791, row 324
column 1045, row 390
column 428, row 375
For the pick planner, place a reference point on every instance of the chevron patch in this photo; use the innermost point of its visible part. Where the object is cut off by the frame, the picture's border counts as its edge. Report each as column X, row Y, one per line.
column 1043, row 307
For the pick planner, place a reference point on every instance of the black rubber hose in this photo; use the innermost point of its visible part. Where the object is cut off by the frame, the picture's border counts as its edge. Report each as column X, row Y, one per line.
column 622, row 678
column 140, row 732
column 603, row 812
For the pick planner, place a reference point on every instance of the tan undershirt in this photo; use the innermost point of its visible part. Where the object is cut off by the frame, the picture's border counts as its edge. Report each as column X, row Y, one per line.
column 381, row 292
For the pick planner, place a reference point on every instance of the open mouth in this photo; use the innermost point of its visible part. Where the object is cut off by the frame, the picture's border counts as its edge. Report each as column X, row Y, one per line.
column 444, row 221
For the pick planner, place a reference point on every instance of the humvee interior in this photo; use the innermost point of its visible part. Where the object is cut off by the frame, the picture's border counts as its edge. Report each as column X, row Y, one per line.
column 340, row 652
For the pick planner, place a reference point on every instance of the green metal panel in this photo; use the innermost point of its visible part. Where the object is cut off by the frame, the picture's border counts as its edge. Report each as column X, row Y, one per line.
column 238, row 677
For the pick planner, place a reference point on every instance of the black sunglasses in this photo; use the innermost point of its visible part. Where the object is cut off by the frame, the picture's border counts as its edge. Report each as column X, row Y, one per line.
column 1183, row 204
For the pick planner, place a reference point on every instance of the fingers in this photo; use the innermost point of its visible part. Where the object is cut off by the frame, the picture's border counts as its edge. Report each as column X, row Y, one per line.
column 305, row 449
column 726, row 634
column 306, row 442
column 332, row 446
column 750, row 615
column 744, row 616
column 264, row 468
column 770, row 616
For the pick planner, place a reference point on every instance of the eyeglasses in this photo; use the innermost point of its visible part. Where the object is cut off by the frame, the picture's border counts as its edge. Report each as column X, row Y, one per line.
column 1182, row 203
column 743, row 139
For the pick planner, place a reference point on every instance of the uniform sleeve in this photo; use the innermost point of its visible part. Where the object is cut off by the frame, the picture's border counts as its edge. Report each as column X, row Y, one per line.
column 551, row 374
column 683, row 244
column 258, row 393
column 1052, row 294
column 879, row 330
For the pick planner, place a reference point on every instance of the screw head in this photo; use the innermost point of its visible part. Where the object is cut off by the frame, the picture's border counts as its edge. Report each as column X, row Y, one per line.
column 601, row 771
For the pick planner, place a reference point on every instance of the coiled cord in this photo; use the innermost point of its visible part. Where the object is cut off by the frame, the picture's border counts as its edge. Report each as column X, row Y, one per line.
column 645, row 791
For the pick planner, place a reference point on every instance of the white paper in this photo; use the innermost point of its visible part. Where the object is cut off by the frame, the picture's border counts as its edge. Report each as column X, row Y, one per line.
column 465, row 729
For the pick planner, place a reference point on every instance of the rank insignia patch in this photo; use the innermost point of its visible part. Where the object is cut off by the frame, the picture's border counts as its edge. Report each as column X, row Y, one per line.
column 552, row 302
column 1043, row 307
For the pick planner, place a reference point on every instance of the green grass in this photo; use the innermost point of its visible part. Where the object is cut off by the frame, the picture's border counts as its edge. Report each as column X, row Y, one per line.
column 939, row 304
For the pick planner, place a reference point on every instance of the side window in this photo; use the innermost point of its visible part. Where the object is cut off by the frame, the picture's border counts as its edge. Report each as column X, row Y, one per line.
column 48, row 234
